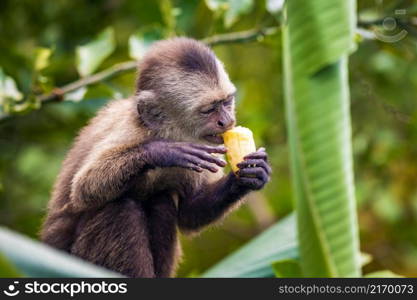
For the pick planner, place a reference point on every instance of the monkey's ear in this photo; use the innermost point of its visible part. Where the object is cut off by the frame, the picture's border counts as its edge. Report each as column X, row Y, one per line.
column 149, row 111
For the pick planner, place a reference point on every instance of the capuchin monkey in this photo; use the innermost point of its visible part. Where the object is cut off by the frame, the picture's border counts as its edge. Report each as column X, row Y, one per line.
column 149, row 165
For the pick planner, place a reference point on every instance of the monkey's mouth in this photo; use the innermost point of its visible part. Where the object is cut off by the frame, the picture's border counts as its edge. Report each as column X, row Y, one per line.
column 214, row 138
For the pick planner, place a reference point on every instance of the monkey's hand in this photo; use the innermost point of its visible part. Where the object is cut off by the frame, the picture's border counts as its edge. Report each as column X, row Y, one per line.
column 165, row 153
column 254, row 172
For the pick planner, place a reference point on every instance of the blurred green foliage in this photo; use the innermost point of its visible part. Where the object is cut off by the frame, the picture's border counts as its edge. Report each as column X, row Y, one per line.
column 38, row 46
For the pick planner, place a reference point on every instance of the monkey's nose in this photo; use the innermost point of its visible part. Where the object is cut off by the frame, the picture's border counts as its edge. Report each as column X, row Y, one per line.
column 225, row 124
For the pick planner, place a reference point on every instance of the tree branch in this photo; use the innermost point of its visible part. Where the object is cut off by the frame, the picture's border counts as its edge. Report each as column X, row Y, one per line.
column 239, row 37
column 58, row 93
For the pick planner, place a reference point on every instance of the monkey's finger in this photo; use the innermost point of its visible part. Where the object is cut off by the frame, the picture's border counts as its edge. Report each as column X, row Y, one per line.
column 257, row 155
column 259, row 173
column 248, row 163
column 191, row 166
column 207, row 157
column 210, row 149
column 200, row 163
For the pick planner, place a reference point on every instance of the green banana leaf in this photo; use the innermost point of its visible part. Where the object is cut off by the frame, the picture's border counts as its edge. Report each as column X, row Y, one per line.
column 255, row 259
column 383, row 274
column 35, row 259
column 7, row 269
column 287, row 268
column 318, row 36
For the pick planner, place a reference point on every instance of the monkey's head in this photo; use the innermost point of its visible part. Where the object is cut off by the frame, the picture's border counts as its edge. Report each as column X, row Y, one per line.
column 184, row 93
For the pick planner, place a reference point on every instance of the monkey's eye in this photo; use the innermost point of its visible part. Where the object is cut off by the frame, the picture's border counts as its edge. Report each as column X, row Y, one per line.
column 208, row 111
column 228, row 102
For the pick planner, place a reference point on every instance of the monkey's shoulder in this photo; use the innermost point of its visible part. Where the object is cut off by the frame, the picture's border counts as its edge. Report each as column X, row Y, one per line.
column 116, row 124
column 114, row 127
column 119, row 117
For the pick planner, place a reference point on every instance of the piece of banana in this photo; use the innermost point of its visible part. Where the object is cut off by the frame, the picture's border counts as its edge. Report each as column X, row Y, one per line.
column 239, row 143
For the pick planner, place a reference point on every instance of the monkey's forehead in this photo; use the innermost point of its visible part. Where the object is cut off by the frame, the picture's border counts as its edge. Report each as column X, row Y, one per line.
column 179, row 55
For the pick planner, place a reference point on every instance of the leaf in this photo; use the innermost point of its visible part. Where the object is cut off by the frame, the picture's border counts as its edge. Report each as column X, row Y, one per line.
column 77, row 95
column 256, row 257
column 217, row 4
column 325, row 37
column 232, row 9
column 288, row 268
column 35, row 259
column 274, row 6
column 42, row 57
column 91, row 55
column 317, row 40
column 365, row 258
column 169, row 14
column 383, row 274
column 7, row 269
column 8, row 89
column 236, row 9
column 140, row 42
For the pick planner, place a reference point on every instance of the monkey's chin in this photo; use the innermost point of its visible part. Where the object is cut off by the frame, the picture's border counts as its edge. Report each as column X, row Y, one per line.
column 214, row 139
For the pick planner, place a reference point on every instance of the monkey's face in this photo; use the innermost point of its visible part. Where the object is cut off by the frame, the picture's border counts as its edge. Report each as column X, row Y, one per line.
column 206, row 107
column 216, row 117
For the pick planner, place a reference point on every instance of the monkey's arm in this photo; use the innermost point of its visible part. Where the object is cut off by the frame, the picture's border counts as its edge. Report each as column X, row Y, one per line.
column 106, row 175
column 210, row 202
